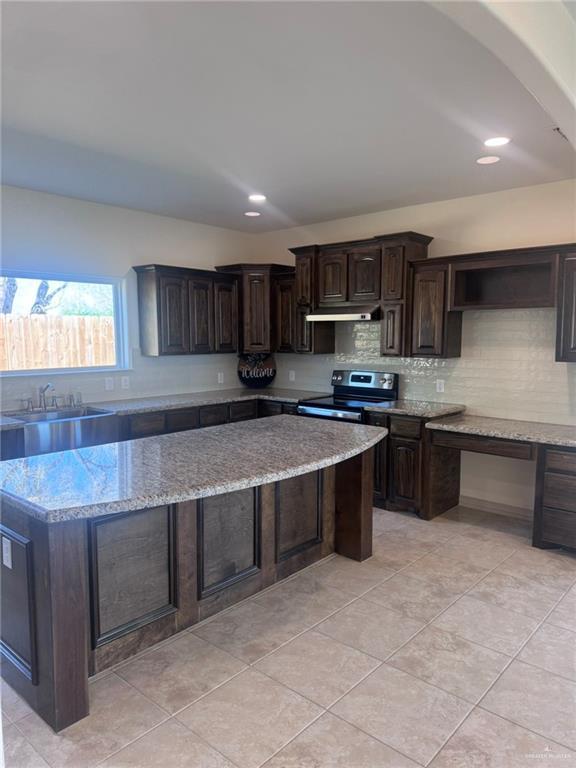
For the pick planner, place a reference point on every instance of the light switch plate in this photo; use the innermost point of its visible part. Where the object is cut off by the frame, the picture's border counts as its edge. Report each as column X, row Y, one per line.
column 220, row 377
column 125, row 382
column 291, row 375
column 439, row 385
column 108, row 383
column 6, row 552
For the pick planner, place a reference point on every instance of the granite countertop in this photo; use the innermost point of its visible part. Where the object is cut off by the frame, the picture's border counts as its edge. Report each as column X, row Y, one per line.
column 422, row 408
column 171, row 402
column 122, row 477
column 6, row 422
column 510, row 429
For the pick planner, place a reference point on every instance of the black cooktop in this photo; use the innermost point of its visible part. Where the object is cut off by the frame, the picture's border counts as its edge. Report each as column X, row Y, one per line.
column 345, row 403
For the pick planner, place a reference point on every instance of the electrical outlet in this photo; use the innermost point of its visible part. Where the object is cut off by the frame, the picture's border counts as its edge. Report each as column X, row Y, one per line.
column 108, row 383
column 125, row 382
column 220, row 377
column 291, row 375
column 6, row 552
column 439, row 385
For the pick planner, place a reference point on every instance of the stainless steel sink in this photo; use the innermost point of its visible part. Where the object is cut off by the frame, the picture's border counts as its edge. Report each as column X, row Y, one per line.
column 61, row 430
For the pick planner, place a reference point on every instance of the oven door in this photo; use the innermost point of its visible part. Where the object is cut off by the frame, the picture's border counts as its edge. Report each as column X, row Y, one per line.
column 330, row 413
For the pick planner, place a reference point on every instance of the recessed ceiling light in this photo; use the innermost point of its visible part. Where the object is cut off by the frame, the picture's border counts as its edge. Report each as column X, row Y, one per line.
column 257, row 198
column 252, row 213
column 497, row 141
column 488, row 160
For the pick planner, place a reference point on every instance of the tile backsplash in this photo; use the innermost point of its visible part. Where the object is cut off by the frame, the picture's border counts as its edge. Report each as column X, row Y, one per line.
column 507, row 368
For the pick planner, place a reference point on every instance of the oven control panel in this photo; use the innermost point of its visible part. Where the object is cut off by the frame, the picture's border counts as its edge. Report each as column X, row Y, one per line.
column 365, row 379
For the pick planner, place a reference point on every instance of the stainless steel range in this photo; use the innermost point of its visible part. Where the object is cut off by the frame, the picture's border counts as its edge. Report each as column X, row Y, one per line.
column 353, row 392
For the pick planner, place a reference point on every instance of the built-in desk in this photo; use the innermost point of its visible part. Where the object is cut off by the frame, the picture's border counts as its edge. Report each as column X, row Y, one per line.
column 552, row 445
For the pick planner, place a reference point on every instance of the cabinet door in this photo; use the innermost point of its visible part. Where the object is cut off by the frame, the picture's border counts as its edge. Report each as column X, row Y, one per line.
column 302, row 330
column 201, row 303
column 284, row 315
column 391, row 329
column 226, row 316
column 256, row 309
column 364, row 274
column 428, row 312
column 393, row 272
column 332, row 277
column 304, row 286
column 174, row 321
column 566, row 330
column 404, row 472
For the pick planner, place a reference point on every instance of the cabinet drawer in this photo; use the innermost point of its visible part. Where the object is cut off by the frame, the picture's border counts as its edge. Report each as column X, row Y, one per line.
column 559, row 527
column 145, row 424
column 176, row 421
column 477, row 444
column 405, row 427
column 210, row 415
column 560, row 461
column 290, row 408
column 242, row 411
column 559, row 492
column 377, row 419
column 269, row 408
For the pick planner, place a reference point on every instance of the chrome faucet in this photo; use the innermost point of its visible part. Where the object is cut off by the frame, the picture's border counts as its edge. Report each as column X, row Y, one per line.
column 42, row 395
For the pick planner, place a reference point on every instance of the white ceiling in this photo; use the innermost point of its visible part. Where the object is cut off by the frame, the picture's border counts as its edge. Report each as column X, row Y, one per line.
column 330, row 109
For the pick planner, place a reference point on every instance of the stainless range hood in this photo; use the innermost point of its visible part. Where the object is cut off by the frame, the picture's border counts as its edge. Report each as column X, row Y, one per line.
column 340, row 314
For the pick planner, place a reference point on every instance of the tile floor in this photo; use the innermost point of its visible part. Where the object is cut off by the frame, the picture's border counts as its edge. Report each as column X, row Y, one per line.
column 453, row 647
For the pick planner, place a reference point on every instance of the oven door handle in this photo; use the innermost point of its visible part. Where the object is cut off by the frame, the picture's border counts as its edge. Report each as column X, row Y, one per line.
column 328, row 413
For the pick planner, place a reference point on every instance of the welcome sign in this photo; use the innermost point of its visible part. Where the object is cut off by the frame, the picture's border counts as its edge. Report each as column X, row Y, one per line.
column 257, row 370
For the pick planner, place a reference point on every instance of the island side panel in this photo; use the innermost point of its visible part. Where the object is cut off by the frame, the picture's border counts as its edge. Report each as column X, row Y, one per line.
column 55, row 580
column 354, row 491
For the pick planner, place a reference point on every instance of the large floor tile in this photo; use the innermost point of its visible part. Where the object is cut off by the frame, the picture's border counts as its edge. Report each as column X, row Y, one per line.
column 483, row 554
column 170, row 745
column 552, row 568
column 450, row 662
column 396, row 549
column 332, row 743
column 486, row 624
column 176, row 674
column 535, row 699
column 14, row 707
column 351, row 576
column 516, row 593
column 487, row 741
column 552, row 648
column 318, row 667
column 118, row 715
column 564, row 615
column 446, row 571
column 370, row 628
column 250, row 630
column 19, row 753
column 304, row 599
column 249, row 718
column 414, row 597
column 384, row 520
column 407, row 714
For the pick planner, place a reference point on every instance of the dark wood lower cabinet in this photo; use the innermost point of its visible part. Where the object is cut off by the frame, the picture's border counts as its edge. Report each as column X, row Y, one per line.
column 555, row 502
column 404, row 474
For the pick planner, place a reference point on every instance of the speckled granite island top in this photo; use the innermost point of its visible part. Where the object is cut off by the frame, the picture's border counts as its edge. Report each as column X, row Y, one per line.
column 122, row 477
column 510, row 429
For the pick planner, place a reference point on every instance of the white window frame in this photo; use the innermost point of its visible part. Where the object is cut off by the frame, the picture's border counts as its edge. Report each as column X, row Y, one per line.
column 123, row 363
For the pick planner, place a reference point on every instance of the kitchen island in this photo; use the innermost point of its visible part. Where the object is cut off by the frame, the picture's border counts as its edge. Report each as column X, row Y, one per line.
column 110, row 549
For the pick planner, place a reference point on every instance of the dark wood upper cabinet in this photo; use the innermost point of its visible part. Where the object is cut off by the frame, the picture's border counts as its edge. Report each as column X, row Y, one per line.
column 364, row 266
column 392, row 272
column 177, row 312
column 435, row 331
column 174, row 319
column 566, row 329
column 285, row 314
column 304, row 286
column 332, row 277
column 201, row 302
column 391, row 335
column 226, row 315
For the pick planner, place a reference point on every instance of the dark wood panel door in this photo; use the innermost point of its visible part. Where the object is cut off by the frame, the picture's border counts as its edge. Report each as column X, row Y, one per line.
column 256, row 298
column 212, row 415
column 404, row 472
column 393, row 273
column 302, row 330
column 566, row 329
column 226, row 316
column 304, row 284
column 332, row 277
column 298, row 515
column 201, row 303
column 391, row 329
column 174, row 316
column 284, row 315
column 364, row 274
column 428, row 312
